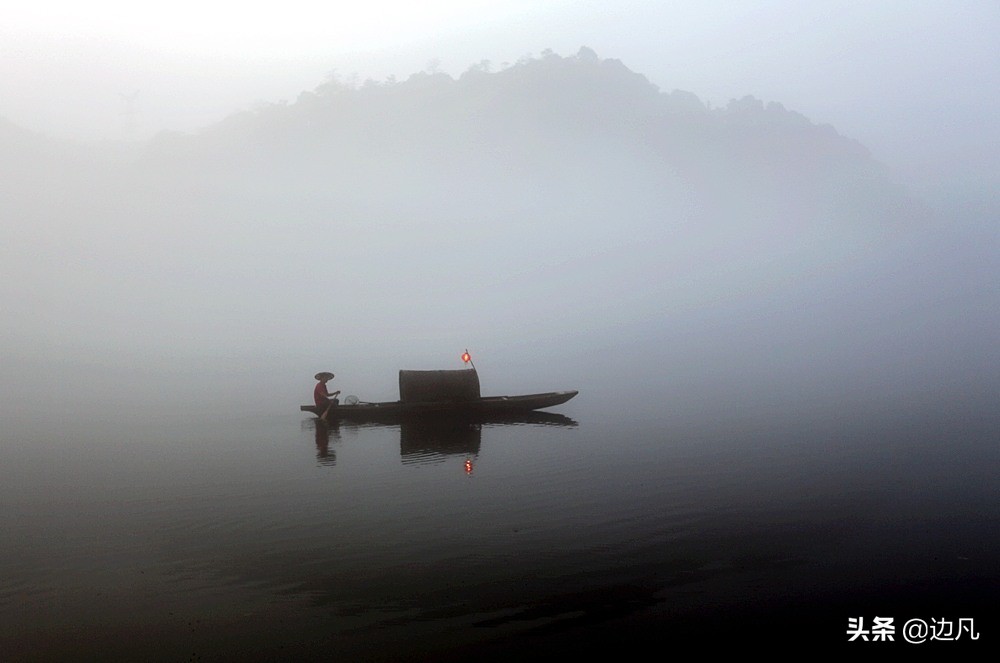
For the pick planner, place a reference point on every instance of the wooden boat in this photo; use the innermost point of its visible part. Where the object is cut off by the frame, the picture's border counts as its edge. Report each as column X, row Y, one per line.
column 436, row 394
column 490, row 406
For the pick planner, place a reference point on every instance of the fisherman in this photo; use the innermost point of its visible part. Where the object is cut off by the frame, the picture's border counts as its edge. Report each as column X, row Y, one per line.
column 323, row 398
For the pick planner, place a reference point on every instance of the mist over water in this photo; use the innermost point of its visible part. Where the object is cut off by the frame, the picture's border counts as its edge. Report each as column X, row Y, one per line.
column 747, row 301
column 548, row 210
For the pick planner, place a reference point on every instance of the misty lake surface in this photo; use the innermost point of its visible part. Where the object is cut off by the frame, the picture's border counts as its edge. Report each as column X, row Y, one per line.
column 615, row 525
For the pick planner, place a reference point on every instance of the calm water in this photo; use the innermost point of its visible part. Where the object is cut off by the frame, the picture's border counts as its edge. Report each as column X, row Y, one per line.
column 261, row 537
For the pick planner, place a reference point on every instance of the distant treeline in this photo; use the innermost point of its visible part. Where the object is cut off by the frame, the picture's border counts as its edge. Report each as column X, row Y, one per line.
column 415, row 190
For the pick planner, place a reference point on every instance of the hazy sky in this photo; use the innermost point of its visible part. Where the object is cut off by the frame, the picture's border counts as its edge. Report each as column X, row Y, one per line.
column 914, row 81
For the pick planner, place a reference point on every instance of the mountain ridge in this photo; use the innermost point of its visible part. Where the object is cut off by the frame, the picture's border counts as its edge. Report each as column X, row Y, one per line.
column 429, row 209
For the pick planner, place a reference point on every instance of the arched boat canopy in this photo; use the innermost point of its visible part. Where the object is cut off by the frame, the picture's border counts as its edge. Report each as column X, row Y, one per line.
column 439, row 386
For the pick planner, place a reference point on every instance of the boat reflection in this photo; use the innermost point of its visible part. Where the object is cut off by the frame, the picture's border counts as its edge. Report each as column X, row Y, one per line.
column 423, row 441
column 434, row 439
column 324, row 432
column 420, row 442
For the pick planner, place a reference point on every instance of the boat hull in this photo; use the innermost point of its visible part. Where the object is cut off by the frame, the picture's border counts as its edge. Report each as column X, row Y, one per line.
column 490, row 406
